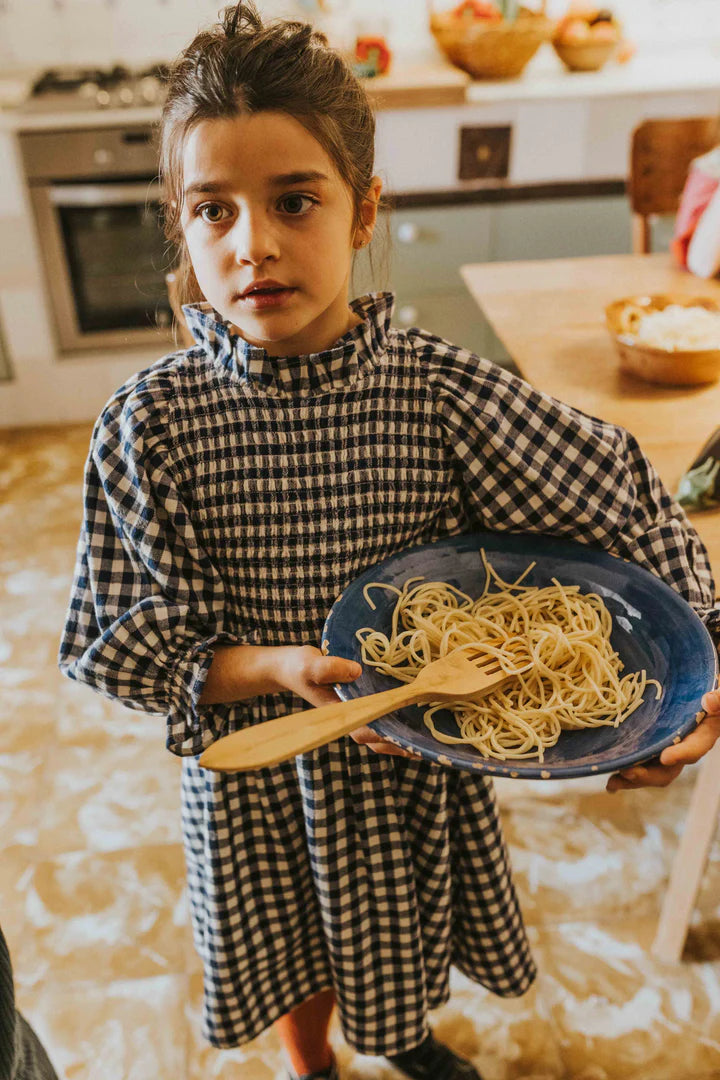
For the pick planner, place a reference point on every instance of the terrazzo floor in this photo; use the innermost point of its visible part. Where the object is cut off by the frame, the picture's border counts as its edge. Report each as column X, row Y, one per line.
column 92, row 897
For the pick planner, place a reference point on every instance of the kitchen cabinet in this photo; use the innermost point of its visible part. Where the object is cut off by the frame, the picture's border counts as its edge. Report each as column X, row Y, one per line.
column 555, row 228
column 429, row 244
column 566, row 132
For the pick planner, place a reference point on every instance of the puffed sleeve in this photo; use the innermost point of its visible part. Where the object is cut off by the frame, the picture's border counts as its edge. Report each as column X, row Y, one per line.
column 528, row 462
column 146, row 605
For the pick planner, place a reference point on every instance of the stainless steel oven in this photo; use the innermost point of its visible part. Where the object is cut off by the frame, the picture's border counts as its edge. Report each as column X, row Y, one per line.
column 95, row 198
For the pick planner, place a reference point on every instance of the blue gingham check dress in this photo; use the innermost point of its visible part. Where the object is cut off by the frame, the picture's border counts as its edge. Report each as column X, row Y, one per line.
column 231, row 497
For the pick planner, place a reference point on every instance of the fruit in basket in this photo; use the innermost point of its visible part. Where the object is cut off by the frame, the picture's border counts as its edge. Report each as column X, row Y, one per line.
column 587, row 36
column 477, row 9
column 487, row 45
column 574, row 32
column 603, row 32
column 584, row 23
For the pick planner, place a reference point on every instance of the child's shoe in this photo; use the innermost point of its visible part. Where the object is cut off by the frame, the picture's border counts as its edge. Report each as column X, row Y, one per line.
column 432, row 1060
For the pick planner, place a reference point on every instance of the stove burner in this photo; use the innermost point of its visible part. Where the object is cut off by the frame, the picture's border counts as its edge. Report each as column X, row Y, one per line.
column 69, row 87
column 61, row 80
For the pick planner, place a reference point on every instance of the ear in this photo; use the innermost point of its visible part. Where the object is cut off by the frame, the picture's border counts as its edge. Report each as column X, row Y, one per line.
column 368, row 212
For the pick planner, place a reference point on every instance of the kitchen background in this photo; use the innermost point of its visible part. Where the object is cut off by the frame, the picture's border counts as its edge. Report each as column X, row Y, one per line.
column 90, row 31
column 92, row 895
column 68, row 295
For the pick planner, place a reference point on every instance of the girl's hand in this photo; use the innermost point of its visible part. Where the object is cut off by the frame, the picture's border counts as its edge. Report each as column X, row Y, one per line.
column 674, row 758
column 365, row 736
column 310, row 674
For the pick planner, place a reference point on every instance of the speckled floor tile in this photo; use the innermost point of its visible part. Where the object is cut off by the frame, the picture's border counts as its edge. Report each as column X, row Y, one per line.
column 632, row 1016
column 101, row 798
column 130, row 1029
column 120, row 913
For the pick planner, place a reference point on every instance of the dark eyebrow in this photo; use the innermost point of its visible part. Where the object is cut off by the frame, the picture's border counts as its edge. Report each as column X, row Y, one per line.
column 214, row 187
column 209, row 187
column 298, row 177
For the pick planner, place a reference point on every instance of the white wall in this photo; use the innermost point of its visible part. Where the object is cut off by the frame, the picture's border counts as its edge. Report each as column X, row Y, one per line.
column 46, row 32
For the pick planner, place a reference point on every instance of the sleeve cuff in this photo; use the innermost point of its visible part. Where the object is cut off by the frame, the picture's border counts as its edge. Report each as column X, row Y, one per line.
column 191, row 726
column 711, row 618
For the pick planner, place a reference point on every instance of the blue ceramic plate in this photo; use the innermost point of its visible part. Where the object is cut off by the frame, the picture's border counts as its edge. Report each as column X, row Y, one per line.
column 654, row 628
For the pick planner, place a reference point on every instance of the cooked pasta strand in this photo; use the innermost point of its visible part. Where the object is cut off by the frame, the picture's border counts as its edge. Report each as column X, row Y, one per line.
column 556, row 636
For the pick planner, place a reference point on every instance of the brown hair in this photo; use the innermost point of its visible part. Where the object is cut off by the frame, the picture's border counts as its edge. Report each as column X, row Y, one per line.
column 243, row 65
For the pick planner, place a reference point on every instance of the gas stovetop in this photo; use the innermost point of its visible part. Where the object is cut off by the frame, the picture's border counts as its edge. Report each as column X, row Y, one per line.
column 72, row 89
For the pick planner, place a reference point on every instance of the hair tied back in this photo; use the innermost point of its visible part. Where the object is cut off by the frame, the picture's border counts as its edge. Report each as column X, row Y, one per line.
column 238, row 14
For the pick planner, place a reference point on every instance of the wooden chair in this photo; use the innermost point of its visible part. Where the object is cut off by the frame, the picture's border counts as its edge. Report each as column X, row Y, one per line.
column 660, row 155
column 689, row 863
column 181, row 327
column 661, row 152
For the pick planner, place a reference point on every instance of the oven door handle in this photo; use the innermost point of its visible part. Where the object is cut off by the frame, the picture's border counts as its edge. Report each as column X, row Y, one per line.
column 104, row 194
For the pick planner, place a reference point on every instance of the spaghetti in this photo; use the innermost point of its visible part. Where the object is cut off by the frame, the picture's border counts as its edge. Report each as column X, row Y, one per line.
column 554, row 638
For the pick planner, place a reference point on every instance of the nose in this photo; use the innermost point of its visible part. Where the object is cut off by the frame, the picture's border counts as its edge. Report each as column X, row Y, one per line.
column 253, row 239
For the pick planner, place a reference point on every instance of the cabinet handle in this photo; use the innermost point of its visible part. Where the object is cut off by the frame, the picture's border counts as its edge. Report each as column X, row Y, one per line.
column 408, row 232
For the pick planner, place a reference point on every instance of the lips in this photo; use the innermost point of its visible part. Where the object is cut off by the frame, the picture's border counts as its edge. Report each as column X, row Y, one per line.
column 264, row 286
column 264, row 296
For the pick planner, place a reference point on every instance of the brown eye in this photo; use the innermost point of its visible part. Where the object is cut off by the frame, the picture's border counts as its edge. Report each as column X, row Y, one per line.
column 293, row 204
column 212, row 213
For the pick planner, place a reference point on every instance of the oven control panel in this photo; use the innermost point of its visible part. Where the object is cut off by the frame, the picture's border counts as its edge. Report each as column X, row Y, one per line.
column 101, row 152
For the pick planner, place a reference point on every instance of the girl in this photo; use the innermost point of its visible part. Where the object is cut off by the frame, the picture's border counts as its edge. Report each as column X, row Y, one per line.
column 234, row 489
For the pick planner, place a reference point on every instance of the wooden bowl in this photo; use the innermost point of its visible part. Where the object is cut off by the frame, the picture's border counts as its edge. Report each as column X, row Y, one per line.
column 498, row 50
column 669, row 367
column 584, row 55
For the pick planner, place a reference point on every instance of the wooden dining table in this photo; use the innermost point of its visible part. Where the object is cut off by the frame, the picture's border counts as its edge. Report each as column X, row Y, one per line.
column 550, row 315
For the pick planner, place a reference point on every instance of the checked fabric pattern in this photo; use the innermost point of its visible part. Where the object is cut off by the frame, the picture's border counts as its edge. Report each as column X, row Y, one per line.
column 231, row 497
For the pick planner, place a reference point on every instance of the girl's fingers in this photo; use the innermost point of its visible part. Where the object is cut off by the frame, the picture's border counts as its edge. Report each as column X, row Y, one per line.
column 698, row 742
column 317, row 674
column 321, row 672
column 674, row 758
column 325, row 670
column 366, row 736
column 643, row 776
column 711, row 702
column 318, row 695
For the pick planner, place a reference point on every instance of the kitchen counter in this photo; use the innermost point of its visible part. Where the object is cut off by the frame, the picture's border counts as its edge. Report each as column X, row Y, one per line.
column 428, row 81
column 569, row 134
column 411, row 83
column 680, row 70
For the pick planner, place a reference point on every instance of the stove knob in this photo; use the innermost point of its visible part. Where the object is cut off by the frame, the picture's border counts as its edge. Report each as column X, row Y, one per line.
column 150, row 90
column 102, row 99
column 408, row 232
column 126, row 95
column 89, row 90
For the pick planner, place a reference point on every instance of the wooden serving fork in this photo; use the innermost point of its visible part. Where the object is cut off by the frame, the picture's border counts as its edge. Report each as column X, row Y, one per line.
column 457, row 675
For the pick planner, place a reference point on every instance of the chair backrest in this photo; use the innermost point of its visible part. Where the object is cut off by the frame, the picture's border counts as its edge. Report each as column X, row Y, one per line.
column 660, row 155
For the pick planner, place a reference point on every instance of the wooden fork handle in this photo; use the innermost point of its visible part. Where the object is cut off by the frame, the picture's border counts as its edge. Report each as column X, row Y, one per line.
column 282, row 738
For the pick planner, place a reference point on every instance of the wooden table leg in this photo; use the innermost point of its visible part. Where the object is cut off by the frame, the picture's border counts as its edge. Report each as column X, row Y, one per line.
column 690, row 859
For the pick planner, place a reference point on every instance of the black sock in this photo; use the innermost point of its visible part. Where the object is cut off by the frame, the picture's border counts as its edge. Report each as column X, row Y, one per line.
column 432, row 1060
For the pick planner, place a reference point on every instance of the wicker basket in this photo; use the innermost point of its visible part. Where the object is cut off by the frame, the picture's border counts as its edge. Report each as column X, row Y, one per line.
column 498, row 50
column 668, row 367
column 584, row 55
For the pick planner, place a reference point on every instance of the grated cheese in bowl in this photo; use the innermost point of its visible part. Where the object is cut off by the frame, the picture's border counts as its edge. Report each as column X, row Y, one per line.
column 678, row 328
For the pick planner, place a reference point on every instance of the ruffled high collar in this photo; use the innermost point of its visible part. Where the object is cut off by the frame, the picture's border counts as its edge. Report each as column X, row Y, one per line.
column 349, row 359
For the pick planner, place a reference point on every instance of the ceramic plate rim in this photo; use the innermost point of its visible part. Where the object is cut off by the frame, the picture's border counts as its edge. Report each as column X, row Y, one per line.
column 522, row 769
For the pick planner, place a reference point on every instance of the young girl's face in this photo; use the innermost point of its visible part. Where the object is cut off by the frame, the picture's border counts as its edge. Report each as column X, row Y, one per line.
column 264, row 203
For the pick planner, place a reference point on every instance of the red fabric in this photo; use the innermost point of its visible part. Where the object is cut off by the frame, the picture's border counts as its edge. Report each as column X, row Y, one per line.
column 699, row 189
